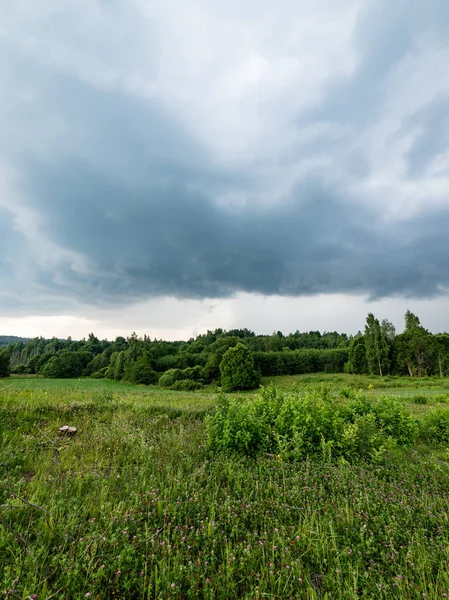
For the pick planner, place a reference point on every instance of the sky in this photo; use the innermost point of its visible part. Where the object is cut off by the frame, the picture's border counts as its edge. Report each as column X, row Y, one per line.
column 172, row 167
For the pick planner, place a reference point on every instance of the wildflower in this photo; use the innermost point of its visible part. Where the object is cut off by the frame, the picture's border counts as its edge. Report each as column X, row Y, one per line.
column 118, row 573
column 172, row 585
column 87, row 595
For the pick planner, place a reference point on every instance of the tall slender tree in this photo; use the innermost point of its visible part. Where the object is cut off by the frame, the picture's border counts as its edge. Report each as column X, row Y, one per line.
column 376, row 344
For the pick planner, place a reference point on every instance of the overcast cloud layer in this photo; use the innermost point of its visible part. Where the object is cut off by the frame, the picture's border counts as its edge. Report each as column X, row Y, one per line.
column 198, row 149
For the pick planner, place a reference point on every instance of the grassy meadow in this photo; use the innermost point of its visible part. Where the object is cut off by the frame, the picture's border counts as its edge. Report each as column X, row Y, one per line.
column 136, row 505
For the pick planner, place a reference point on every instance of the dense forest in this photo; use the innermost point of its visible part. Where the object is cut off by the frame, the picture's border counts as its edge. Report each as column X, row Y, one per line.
column 5, row 340
column 234, row 359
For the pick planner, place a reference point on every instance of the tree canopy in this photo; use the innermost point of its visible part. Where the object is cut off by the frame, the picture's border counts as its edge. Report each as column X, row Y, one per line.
column 378, row 351
column 237, row 369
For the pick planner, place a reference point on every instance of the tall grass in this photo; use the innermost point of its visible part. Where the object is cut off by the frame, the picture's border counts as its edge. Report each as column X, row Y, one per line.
column 136, row 506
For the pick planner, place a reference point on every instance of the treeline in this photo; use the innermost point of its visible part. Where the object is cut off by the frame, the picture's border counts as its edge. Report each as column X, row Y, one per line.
column 190, row 364
column 143, row 360
column 416, row 352
column 5, row 340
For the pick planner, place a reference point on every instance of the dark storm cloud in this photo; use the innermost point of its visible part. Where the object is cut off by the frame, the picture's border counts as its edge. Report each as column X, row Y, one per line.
column 168, row 240
column 131, row 196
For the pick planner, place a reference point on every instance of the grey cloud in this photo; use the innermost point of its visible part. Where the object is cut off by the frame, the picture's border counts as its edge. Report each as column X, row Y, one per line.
column 385, row 33
column 175, row 242
column 122, row 183
column 432, row 137
column 10, row 243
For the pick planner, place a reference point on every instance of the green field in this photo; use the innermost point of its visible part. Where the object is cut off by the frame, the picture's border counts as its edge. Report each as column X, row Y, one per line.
column 135, row 505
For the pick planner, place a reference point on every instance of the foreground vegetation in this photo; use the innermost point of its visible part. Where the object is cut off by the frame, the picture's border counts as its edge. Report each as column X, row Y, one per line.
column 138, row 504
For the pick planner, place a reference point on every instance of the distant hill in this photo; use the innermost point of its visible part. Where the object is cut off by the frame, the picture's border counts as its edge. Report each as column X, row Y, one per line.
column 11, row 339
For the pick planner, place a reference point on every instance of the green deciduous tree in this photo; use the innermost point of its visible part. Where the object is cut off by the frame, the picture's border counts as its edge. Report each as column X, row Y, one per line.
column 377, row 344
column 141, row 371
column 64, row 364
column 442, row 353
column 416, row 347
column 237, row 369
column 215, row 356
column 4, row 364
column 357, row 362
column 116, row 366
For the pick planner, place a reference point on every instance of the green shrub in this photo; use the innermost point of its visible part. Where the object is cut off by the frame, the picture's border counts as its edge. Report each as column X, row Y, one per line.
column 170, row 377
column 420, row 399
column 295, row 426
column 391, row 416
column 435, row 426
column 441, row 398
column 237, row 369
column 394, row 420
column 187, row 385
column 193, row 373
column 237, row 426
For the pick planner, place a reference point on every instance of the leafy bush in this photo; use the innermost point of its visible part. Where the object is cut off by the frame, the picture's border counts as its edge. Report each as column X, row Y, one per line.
column 390, row 415
column 186, row 385
column 435, row 426
column 394, row 420
column 296, row 426
column 193, row 373
column 420, row 399
column 441, row 398
column 240, row 427
column 237, row 369
column 170, row 377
